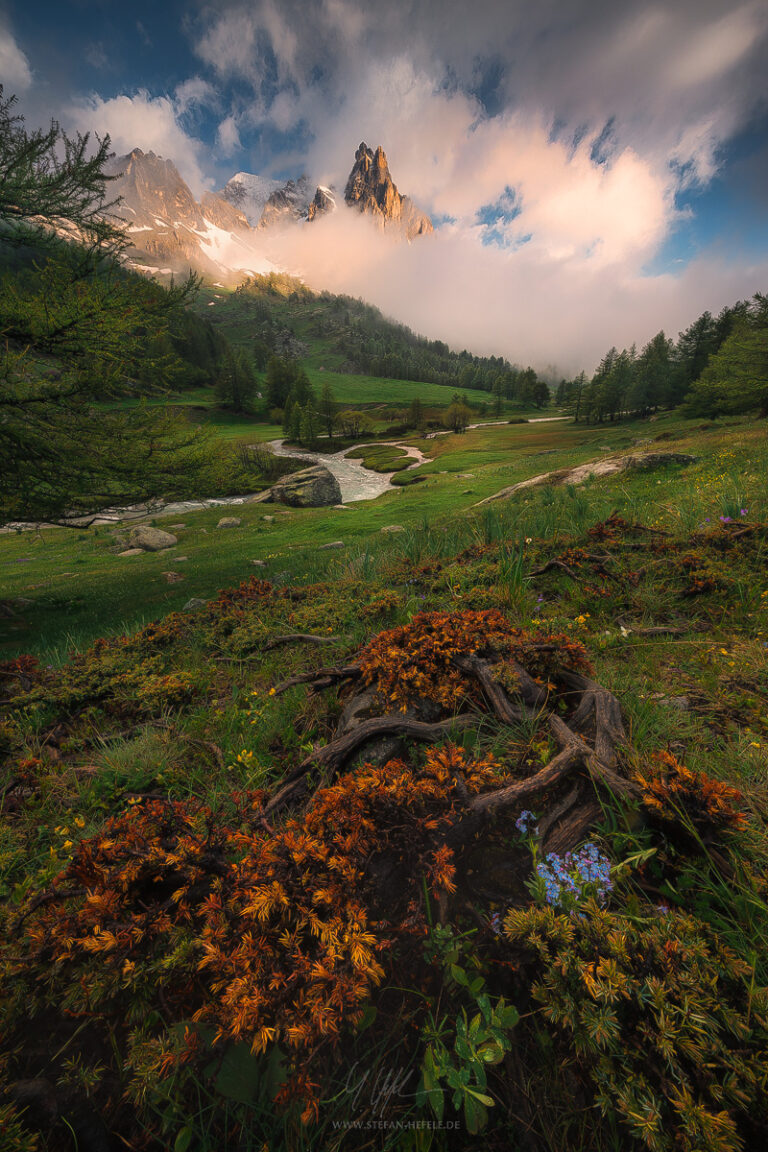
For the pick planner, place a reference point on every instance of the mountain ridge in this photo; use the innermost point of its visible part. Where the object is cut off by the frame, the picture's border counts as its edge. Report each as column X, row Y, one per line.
column 221, row 236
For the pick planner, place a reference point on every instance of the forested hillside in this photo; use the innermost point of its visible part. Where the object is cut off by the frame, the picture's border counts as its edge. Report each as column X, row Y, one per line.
column 718, row 364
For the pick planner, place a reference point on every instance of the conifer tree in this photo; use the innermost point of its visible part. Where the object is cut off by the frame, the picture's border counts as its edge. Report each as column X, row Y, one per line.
column 78, row 329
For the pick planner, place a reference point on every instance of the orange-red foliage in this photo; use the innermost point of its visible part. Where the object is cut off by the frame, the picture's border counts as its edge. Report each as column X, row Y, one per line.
column 415, row 661
column 672, row 792
column 266, row 936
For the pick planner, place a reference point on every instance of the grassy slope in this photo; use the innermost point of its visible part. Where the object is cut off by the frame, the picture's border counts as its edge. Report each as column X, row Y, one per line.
column 79, row 590
column 718, row 660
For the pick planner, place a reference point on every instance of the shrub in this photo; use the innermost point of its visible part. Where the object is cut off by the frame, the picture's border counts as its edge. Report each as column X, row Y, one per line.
column 669, row 1036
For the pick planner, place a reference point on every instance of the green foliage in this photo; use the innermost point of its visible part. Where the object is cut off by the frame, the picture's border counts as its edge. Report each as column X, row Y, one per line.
column 460, row 1050
column 736, row 376
column 78, row 328
column 235, row 384
column 669, row 1030
column 284, row 380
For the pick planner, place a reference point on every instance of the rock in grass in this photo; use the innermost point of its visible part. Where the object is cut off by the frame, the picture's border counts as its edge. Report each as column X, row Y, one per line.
column 314, row 487
column 229, row 522
column 259, row 563
column 268, row 519
column 193, row 604
column 393, row 528
column 172, row 577
column 333, row 544
column 132, row 552
column 151, row 539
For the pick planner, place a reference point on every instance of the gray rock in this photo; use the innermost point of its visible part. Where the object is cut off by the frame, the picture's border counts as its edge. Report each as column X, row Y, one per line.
column 268, row 519
column 193, row 604
column 314, row 487
column 259, row 563
column 393, row 528
column 176, row 527
column 229, row 522
column 172, row 577
column 333, row 544
column 132, row 552
column 679, row 703
column 151, row 539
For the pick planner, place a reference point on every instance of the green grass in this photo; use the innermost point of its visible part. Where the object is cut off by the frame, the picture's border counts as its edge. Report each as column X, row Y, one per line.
column 79, row 590
column 97, row 757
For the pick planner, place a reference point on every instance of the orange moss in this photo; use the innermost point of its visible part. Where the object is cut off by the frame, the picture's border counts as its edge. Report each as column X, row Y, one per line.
column 673, row 793
column 415, row 661
column 269, row 937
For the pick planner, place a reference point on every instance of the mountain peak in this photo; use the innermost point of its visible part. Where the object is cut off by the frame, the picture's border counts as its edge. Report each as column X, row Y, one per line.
column 371, row 189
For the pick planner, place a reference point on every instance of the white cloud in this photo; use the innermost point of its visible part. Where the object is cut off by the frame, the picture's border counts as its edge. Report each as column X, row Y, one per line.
column 15, row 72
column 147, row 122
column 537, row 310
column 227, row 136
column 193, row 94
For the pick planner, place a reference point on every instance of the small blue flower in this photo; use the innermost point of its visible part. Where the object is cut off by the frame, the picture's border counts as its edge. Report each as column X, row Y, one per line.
column 526, row 821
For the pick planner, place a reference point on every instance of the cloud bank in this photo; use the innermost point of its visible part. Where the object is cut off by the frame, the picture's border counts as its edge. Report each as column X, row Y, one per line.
column 555, row 146
column 559, row 315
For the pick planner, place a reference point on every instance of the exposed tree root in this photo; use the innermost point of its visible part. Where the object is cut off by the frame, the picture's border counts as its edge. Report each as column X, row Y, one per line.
column 320, row 678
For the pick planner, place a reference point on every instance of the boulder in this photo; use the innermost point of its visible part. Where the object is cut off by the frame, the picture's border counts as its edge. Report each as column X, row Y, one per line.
column 151, row 539
column 229, row 522
column 314, row 487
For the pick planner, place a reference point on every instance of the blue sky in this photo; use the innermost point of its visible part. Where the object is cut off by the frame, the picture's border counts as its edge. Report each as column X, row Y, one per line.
column 609, row 145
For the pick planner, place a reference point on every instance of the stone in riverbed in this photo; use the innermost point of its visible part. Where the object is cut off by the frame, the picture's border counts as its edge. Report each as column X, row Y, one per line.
column 314, row 487
column 151, row 539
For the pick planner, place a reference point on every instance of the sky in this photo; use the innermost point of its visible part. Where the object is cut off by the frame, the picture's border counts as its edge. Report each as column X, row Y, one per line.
column 597, row 171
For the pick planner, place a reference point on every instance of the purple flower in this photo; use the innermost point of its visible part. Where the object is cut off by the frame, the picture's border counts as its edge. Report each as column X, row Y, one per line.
column 725, row 519
column 662, row 909
column 744, row 512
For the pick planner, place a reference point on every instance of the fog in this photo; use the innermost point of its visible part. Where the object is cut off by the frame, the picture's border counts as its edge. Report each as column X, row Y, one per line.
column 558, row 315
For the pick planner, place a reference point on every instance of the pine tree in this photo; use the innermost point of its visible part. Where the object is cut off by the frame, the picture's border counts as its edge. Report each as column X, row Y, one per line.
column 78, row 328
column 327, row 408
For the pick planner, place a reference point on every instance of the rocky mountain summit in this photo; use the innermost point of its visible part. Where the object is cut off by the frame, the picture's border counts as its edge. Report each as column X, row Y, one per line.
column 370, row 189
column 287, row 204
column 223, row 234
column 249, row 193
column 170, row 230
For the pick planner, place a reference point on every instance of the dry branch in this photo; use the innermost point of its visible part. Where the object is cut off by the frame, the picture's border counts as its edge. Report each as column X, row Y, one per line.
column 320, row 678
column 333, row 755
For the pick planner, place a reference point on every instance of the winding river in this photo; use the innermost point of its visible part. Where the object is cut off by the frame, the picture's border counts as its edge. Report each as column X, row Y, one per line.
column 356, row 482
